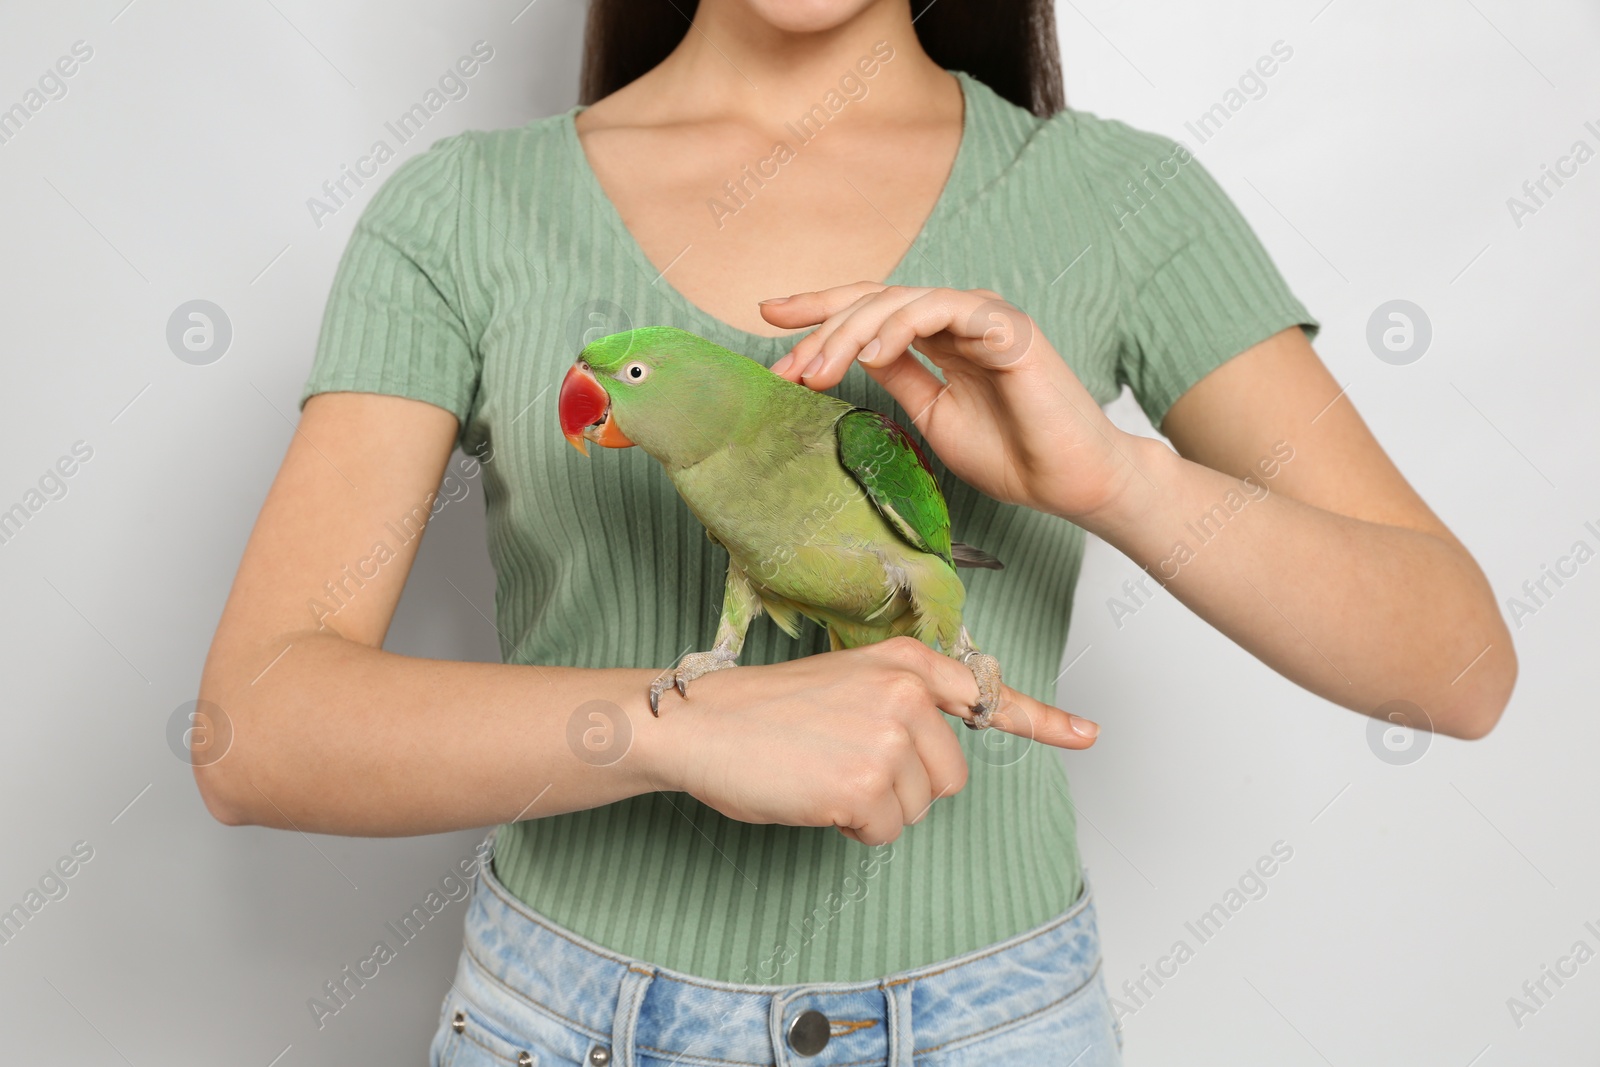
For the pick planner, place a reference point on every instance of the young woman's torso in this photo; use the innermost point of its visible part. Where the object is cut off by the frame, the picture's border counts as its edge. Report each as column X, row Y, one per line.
column 481, row 268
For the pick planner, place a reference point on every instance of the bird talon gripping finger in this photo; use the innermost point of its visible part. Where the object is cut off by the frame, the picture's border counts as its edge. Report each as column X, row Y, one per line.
column 986, row 670
column 827, row 511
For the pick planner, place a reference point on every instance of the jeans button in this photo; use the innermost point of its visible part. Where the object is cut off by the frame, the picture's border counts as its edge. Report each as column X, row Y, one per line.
column 809, row 1032
column 459, row 1022
column 599, row 1056
column 524, row 1059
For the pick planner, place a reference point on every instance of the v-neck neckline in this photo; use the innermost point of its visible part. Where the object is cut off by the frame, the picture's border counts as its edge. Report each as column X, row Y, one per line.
column 708, row 323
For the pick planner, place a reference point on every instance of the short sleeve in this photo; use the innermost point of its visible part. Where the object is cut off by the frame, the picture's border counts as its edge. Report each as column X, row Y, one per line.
column 394, row 321
column 1199, row 287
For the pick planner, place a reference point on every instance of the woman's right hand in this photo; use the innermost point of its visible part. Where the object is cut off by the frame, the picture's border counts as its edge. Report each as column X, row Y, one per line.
column 856, row 738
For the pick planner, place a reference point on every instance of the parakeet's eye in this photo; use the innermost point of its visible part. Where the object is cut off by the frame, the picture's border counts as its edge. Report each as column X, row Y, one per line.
column 633, row 372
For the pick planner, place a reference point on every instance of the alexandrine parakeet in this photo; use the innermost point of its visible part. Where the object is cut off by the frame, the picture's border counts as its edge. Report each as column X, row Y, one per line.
column 826, row 510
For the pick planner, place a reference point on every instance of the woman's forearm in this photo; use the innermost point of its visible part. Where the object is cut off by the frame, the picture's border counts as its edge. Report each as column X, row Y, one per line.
column 338, row 737
column 353, row 740
column 1359, row 612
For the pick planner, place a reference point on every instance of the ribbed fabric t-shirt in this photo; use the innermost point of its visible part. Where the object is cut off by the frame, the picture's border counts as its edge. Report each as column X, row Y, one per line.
column 480, row 268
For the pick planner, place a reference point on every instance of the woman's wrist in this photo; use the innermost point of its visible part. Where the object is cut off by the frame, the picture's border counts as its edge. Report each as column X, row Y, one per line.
column 656, row 756
column 1143, row 469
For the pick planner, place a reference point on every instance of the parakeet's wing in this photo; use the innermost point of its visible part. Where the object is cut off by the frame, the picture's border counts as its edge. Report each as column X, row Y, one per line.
column 881, row 456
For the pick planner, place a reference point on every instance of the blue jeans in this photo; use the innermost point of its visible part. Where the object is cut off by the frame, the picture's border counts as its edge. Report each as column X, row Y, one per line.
column 532, row 993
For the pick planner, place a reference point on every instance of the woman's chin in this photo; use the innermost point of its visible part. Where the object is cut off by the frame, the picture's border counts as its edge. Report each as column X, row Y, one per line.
column 807, row 16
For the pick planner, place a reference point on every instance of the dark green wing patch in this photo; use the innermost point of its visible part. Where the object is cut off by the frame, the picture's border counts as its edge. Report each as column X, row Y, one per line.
column 881, row 456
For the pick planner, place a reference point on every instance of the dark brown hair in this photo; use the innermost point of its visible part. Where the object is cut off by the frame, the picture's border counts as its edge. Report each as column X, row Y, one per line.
column 1009, row 45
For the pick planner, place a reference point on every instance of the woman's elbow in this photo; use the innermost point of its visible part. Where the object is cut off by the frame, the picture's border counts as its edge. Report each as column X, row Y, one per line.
column 218, row 801
column 1481, row 693
column 208, row 739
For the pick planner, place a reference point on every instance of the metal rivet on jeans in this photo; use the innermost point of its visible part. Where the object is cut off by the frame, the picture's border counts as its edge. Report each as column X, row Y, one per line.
column 459, row 1023
column 809, row 1032
column 599, row 1056
column 524, row 1060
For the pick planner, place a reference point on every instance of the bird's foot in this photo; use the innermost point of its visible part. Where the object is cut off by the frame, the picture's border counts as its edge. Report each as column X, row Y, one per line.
column 986, row 669
column 688, row 669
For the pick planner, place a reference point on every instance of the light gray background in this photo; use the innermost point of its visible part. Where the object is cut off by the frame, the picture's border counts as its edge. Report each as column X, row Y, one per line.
column 1376, row 166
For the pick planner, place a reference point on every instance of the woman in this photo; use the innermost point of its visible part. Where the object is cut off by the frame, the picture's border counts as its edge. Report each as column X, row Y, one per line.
column 740, row 879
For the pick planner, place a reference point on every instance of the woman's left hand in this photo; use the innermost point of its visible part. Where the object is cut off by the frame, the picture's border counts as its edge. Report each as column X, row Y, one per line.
column 1010, row 419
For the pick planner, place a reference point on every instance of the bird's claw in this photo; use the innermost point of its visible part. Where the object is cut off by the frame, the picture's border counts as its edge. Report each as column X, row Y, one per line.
column 688, row 669
column 986, row 669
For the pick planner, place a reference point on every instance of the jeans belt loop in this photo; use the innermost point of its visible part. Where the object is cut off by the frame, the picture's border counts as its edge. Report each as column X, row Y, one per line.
column 625, row 1025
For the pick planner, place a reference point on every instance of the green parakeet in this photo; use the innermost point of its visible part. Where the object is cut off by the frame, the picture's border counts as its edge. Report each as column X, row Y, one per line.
column 826, row 510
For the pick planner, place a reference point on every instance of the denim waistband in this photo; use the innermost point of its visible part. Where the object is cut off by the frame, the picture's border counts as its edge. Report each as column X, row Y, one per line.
column 524, row 980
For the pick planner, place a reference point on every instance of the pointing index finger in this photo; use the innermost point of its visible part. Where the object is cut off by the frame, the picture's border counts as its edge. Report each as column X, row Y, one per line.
column 954, row 688
column 1026, row 717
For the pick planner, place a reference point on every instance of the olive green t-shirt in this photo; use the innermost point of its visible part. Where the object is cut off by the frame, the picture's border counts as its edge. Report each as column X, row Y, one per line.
column 473, row 277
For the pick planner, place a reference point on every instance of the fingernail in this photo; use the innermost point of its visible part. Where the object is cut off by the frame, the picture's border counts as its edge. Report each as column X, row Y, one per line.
column 1083, row 727
column 812, row 368
column 870, row 350
column 776, row 300
column 782, row 364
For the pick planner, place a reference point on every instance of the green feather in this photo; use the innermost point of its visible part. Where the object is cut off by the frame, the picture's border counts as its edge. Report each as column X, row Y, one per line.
column 881, row 456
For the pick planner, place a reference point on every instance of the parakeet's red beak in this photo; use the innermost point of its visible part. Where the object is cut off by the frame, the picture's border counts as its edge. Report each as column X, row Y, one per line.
column 585, row 412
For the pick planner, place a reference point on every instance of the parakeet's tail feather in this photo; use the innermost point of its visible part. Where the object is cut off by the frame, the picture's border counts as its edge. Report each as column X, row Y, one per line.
column 967, row 556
